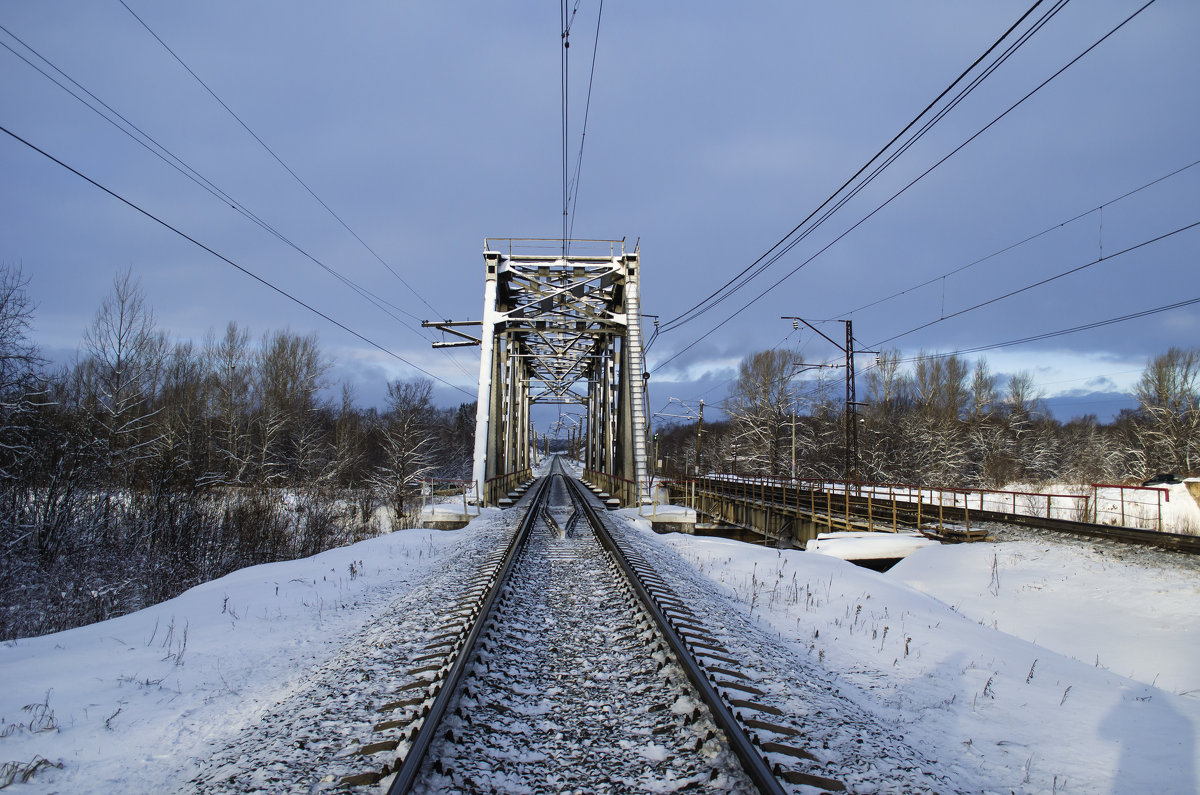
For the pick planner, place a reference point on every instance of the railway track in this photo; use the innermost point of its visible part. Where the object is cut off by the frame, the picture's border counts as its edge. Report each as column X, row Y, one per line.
column 569, row 666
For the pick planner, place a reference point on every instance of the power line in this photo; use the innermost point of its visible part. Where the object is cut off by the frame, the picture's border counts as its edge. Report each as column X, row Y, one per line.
column 170, row 158
column 277, row 158
column 1039, row 283
column 693, row 312
column 878, row 170
column 574, row 199
column 1072, row 330
column 1002, row 58
column 898, row 193
column 1019, row 243
column 564, row 53
column 225, row 259
column 152, row 145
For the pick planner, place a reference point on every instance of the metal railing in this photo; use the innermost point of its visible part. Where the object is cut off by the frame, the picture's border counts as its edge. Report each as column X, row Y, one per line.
column 1112, row 504
column 829, row 503
column 1130, row 506
column 582, row 248
column 497, row 488
column 624, row 490
column 434, row 488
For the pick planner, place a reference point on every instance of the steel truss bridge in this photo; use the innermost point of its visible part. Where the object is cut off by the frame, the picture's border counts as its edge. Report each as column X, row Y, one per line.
column 561, row 325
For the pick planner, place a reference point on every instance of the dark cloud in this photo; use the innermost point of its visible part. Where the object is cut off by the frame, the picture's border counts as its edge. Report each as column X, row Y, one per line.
column 711, row 134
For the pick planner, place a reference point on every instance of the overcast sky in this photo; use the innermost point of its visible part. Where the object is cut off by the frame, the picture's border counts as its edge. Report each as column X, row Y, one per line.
column 714, row 129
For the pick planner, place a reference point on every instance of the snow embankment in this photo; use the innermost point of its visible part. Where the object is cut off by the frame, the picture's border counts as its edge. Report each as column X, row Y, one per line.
column 136, row 695
column 1139, row 621
column 996, row 677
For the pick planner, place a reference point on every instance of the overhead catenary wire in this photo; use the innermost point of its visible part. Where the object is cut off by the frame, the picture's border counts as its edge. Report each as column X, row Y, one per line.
column 891, row 158
column 1039, row 283
column 734, row 284
column 1035, row 337
column 564, row 60
column 1019, row 243
column 573, row 198
column 229, row 261
column 1015, row 342
column 278, row 159
column 147, row 141
column 905, row 188
column 152, row 145
column 1064, row 331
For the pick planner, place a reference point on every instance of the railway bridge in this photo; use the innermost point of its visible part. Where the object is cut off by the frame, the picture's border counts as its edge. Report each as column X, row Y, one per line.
column 561, row 325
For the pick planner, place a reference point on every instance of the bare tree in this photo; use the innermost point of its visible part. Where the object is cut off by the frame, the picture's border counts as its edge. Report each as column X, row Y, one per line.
column 1169, row 393
column 759, row 404
column 407, row 444
column 19, row 362
column 291, row 373
column 983, row 392
column 125, row 355
column 230, row 364
column 887, row 388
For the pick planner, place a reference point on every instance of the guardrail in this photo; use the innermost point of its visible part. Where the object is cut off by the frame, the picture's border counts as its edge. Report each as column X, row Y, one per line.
column 1112, row 504
column 624, row 490
column 495, row 489
column 1140, row 504
column 830, row 504
column 432, row 488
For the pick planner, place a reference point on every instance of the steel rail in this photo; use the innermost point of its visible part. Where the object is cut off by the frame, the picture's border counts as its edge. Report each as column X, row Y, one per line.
column 754, row 764
column 406, row 776
column 1163, row 539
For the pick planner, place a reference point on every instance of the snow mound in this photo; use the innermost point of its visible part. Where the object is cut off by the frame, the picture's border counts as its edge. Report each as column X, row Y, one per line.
column 868, row 546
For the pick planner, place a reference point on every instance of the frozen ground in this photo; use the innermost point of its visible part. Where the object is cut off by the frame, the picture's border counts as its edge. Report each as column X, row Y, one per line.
column 1023, row 666
column 1029, row 665
column 868, row 546
column 128, row 705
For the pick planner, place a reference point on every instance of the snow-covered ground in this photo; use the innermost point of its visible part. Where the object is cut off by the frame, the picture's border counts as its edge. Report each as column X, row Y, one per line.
column 1022, row 666
column 867, row 546
column 126, row 704
column 1025, row 666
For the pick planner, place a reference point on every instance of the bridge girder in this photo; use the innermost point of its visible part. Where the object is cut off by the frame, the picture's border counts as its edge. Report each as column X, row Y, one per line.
column 559, row 328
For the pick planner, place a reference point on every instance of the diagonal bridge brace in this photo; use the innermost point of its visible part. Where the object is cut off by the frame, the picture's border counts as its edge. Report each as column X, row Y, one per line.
column 551, row 322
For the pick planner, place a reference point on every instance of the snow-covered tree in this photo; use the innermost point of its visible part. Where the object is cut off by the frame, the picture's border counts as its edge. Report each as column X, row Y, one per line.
column 125, row 353
column 407, row 441
column 1169, row 394
column 759, row 405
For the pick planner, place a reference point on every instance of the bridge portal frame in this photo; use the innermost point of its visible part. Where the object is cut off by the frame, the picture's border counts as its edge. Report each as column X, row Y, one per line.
column 560, row 327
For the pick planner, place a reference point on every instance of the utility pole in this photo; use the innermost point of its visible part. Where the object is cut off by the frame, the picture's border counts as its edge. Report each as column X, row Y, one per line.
column 852, row 404
column 699, row 431
column 793, row 437
column 851, row 409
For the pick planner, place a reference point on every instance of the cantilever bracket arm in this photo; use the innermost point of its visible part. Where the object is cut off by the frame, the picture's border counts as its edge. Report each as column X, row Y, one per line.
column 447, row 327
column 793, row 318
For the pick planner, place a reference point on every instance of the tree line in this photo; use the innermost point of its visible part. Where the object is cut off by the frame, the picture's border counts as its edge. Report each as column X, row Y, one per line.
column 942, row 421
column 150, row 465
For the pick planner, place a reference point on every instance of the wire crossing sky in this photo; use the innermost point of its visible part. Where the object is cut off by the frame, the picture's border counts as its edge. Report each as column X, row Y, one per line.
column 412, row 132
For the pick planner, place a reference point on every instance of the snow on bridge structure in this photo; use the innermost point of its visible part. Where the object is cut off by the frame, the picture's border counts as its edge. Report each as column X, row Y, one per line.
column 561, row 325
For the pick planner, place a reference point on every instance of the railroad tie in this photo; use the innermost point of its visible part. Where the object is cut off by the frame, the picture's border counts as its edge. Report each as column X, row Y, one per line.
column 719, row 657
column 810, row 780
column 754, row 705
column 762, row 725
column 754, row 691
